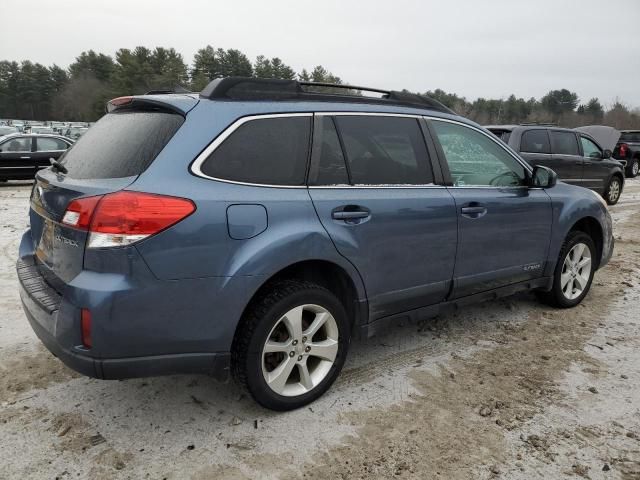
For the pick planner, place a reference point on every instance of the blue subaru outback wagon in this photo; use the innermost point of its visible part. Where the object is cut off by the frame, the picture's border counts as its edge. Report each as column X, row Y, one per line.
column 255, row 228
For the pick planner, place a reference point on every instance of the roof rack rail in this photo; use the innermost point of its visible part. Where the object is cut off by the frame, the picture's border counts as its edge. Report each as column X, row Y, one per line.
column 247, row 88
column 540, row 124
column 176, row 89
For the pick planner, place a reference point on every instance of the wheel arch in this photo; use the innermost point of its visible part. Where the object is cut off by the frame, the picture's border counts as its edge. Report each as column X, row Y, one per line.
column 591, row 226
column 325, row 273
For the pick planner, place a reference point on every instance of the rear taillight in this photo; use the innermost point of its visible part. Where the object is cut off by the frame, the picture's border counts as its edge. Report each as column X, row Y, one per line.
column 85, row 327
column 124, row 217
column 624, row 148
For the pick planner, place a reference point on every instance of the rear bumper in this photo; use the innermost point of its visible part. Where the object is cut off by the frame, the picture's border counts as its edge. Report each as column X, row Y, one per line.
column 214, row 364
column 141, row 326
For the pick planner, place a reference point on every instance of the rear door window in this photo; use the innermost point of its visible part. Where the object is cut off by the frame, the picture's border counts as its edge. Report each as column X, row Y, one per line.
column 46, row 144
column 121, row 144
column 384, row 150
column 268, row 151
column 564, row 143
column 535, row 141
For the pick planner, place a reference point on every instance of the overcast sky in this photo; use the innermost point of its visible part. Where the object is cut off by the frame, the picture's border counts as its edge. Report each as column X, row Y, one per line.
column 474, row 48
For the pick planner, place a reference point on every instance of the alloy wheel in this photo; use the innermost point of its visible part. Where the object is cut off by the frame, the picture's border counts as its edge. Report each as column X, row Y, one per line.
column 576, row 271
column 635, row 168
column 614, row 190
column 300, row 350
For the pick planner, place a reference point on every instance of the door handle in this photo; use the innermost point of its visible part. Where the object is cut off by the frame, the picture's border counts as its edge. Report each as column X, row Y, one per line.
column 350, row 212
column 342, row 215
column 25, row 158
column 473, row 211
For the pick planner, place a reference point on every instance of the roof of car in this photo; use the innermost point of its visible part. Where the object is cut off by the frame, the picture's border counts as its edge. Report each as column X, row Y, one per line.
column 528, row 126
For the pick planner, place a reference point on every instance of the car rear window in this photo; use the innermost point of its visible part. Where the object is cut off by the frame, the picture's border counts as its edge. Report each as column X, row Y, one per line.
column 630, row 137
column 267, row 151
column 121, row 144
column 501, row 134
column 535, row 141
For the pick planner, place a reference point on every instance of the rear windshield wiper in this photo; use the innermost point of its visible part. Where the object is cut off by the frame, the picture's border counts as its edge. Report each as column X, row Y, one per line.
column 56, row 165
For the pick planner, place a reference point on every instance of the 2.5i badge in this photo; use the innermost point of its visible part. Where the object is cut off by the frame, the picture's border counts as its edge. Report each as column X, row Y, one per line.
column 531, row 266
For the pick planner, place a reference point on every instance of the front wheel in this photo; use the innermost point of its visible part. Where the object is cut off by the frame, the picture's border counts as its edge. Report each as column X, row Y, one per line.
column 633, row 168
column 612, row 195
column 574, row 272
column 291, row 345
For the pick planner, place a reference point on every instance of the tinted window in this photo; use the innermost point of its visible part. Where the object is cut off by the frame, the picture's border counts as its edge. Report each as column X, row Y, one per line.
column 45, row 144
column 21, row 144
column 590, row 149
column 564, row 143
column 384, row 150
column 328, row 167
column 267, row 151
column 475, row 159
column 121, row 144
column 501, row 134
column 535, row 141
column 632, row 137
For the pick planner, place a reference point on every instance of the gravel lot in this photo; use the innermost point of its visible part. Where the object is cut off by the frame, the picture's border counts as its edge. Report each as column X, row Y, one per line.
column 508, row 389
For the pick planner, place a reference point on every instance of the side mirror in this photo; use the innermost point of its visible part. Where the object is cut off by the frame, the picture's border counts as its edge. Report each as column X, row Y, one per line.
column 543, row 177
column 607, row 154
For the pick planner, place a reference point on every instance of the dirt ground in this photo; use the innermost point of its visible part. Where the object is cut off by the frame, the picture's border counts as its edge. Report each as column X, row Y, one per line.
column 508, row 389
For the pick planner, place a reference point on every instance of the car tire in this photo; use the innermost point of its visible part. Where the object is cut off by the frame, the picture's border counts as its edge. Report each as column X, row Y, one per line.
column 613, row 191
column 571, row 279
column 291, row 344
column 633, row 168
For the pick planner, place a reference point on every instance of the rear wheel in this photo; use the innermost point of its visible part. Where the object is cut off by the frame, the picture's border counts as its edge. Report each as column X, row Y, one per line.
column 574, row 271
column 633, row 168
column 612, row 195
column 291, row 345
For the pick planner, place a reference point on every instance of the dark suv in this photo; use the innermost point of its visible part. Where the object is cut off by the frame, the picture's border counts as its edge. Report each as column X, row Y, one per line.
column 255, row 228
column 628, row 150
column 575, row 156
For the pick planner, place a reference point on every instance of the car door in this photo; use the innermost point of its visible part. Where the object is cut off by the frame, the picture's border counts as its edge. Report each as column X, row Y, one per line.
column 566, row 156
column 46, row 148
column 504, row 227
column 15, row 158
column 372, row 184
column 535, row 147
column 595, row 171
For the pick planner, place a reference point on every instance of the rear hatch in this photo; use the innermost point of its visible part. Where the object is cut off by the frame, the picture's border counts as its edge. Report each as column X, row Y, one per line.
column 108, row 158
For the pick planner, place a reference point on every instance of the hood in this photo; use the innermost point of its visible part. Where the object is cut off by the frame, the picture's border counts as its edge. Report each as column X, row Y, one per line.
column 606, row 137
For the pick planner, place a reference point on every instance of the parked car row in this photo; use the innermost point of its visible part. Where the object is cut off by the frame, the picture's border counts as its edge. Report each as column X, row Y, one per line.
column 73, row 130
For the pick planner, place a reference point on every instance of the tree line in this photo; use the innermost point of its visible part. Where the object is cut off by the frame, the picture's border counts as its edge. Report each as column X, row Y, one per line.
column 32, row 91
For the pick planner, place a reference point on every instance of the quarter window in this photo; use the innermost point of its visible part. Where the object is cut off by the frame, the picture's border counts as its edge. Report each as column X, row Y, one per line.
column 564, row 143
column 535, row 141
column 265, row 151
column 590, row 149
column 45, row 144
column 22, row 144
column 384, row 150
column 476, row 160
